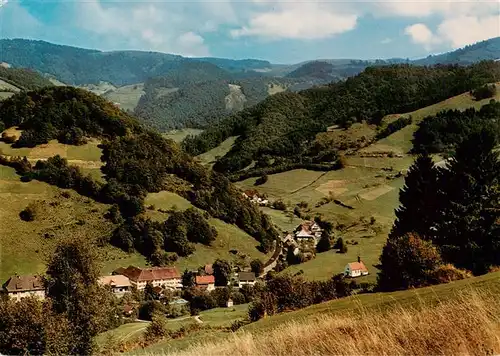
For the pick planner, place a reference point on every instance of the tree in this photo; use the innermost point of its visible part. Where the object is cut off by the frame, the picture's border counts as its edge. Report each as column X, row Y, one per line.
column 188, row 279
column 149, row 292
column 257, row 267
column 467, row 233
column 324, row 243
column 72, row 287
column 407, row 261
column 340, row 245
column 222, row 270
column 418, row 200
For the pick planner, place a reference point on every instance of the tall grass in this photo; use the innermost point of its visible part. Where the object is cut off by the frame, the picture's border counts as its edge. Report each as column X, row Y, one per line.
column 468, row 325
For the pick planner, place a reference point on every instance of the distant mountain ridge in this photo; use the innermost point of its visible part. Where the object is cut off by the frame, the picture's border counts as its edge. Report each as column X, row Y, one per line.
column 76, row 66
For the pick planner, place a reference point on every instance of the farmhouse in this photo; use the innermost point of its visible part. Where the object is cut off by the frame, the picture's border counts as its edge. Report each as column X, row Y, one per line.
column 18, row 287
column 255, row 198
column 355, row 269
column 168, row 277
column 205, row 282
column 246, row 278
column 119, row 284
column 308, row 231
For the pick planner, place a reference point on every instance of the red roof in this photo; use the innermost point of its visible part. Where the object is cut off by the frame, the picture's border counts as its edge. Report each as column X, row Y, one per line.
column 151, row 274
column 358, row 266
column 202, row 280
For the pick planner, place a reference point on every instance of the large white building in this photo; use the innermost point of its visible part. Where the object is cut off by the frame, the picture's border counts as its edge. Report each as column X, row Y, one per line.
column 355, row 269
column 18, row 287
column 165, row 277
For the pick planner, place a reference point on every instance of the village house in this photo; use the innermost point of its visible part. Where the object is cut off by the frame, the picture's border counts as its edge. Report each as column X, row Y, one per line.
column 229, row 303
column 308, row 231
column 355, row 269
column 255, row 198
column 246, row 278
column 205, row 282
column 167, row 277
column 119, row 284
column 18, row 287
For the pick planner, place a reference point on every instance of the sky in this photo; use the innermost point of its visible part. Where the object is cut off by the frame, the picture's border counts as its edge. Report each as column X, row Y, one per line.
column 281, row 31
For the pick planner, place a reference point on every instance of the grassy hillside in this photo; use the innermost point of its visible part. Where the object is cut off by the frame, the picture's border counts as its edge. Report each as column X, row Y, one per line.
column 384, row 313
column 26, row 79
column 127, row 96
column 368, row 183
column 278, row 132
column 135, row 162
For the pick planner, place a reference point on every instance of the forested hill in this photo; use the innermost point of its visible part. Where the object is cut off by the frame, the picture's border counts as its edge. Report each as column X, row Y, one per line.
column 77, row 66
column 136, row 161
column 485, row 50
column 23, row 78
column 199, row 94
column 280, row 131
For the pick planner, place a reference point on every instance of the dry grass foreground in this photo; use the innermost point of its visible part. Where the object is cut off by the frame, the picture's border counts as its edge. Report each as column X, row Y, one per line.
column 468, row 325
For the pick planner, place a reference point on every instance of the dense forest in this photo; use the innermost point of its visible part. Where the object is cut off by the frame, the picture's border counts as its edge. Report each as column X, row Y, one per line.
column 26, row 79
column 136, row 161
column 282, row 128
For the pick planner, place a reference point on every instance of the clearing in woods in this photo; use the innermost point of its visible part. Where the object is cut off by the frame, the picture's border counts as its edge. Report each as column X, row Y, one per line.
column 127, row 96
column 236, row 99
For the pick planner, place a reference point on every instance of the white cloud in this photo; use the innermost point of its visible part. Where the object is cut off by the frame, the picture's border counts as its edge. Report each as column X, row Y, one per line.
column 456, row 32
column 421, row 34
column 193, row 44
column 465, row 30
column 386, row 40
column 305, row 20
column 3, row 2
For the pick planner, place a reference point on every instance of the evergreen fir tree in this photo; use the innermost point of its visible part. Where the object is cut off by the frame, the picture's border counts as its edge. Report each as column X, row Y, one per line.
column 468, row 233
column 324, row 243
column 418, row 200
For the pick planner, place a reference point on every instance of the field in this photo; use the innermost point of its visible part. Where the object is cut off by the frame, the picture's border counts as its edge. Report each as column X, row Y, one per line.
column 219, row 317
column 213, row 318
column 127, row 96
column 211, row 156
column 179, row 135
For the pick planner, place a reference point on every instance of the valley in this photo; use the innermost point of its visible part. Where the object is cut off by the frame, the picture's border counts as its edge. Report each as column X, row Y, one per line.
column 173, row 205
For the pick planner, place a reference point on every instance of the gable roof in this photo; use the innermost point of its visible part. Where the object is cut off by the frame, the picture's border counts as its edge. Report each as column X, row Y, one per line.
column 357, row 266
column 203, row 280
column 115, row 281
column 25, row 283
column 246, row 276
column 137, row 274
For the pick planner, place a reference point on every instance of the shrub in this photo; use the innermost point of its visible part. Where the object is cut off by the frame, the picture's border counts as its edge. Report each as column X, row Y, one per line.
column 279, row 205
column 157, row 329
column 8, row 138
column 449, row 273
column 29, row 213
column 484, row 92
column 263, row 179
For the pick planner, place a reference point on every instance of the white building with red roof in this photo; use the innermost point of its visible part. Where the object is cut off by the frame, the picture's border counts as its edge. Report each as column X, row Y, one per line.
column 168, row 277
column 355, row 269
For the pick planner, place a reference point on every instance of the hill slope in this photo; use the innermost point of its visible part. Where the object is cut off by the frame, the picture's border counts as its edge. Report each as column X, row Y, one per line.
column 484, row 50
column 280, row 131
column 135, row 162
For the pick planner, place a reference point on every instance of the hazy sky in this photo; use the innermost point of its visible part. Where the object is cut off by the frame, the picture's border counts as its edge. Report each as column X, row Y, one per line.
column 282, row 31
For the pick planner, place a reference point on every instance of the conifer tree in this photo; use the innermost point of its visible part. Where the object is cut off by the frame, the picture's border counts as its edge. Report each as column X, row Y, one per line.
column 324, row 243
column 418, row 200
column 467, row 232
